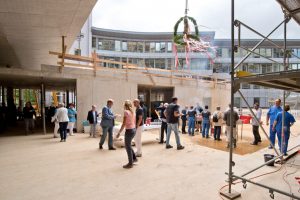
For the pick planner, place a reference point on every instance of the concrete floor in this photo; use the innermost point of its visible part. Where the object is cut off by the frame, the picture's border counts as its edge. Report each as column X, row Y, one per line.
column 40, row 167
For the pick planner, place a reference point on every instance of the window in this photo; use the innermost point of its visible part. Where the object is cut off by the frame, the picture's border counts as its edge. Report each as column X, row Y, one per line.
column 269, row 53
column 256, row 87
column 132, row 46
column 254, row 68
column 170, row 63
column 108, row 45
column 162, row 47
column 94, row 42
column 278, row 53
column 245, row 86
column 149, row 63
column 140, row 47
column 124, row 46
column 266, row 68
column 147, row 47
column 157, row 47
column 117, row 45
column 170, row 47
column 225, row 53
column 294, row 66
column 237, row 102
column 257, row 52
column 152, row 47
column 160, row 63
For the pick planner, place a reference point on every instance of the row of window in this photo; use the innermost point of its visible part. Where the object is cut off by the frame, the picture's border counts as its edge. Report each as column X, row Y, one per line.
column 160, row 63
column 167, row 46
column 254, row 68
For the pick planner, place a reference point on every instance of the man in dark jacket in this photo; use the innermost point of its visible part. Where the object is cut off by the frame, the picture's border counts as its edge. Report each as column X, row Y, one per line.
column 107, row 124
column 92, row 118
column 164, row 125
column 227, row 119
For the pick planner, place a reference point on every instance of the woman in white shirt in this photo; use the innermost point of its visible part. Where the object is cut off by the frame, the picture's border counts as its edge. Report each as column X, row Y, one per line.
column 62, row 117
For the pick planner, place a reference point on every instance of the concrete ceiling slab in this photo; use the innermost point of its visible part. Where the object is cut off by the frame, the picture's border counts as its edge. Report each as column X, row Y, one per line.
column 30, row 28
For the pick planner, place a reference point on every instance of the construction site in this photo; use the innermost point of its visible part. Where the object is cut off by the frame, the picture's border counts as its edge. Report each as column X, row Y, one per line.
column 83, row 70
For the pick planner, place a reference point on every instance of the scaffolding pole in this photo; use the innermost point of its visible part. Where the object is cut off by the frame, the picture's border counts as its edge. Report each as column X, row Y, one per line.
column 230, row 194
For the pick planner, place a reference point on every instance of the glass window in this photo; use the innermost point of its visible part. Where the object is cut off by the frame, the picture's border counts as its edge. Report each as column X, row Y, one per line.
column 255, row 55
column 147, row 47
column 149, row 63
column 170, row 47
column 256, row 87
column 94, row 42
column 225, row 53
column 152, row 47
column 157, row 47
column 124, row 46
column 219, row 52
column 294, row 66
column 170, row 63
column 132, row 46
column 237, row 102
column 140, row 47
column 254, row 68
column 108, row 45
column 262, row 51
column 160, row 63
column 266, row 68
column 117, row 45
column 162, row 47
column 245, row 86
column 269, row 53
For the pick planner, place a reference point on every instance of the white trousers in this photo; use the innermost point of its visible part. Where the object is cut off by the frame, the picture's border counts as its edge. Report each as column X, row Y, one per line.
column 56, row 127
column 138, row 139
column 228, row 133
column 71, row 127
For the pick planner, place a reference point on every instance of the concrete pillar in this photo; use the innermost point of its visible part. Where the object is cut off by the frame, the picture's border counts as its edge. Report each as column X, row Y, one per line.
column 67, row 98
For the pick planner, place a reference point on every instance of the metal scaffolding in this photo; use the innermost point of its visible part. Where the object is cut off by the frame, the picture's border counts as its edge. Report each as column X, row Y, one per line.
column 288, row 82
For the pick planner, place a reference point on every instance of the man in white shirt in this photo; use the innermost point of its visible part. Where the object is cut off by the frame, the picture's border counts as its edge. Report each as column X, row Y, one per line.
column 62, row 117
column 217, row 120
column 255, row 125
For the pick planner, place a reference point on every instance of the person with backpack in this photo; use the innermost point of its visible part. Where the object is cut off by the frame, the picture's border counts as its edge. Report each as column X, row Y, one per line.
column 172, row 115
column 205, row 122
column 217, row 120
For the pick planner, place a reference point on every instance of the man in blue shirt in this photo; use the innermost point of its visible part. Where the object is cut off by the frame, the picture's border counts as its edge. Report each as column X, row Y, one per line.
column 289, row 120
column 272, row 113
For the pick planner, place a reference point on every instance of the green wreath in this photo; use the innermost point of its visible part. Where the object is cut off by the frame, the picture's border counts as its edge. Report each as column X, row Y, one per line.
column 178, row 38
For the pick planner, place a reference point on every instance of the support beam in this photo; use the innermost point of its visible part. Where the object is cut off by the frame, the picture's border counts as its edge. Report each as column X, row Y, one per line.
column 43, row 107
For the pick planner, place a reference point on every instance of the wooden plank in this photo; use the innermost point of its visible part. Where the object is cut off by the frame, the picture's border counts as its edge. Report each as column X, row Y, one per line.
column 76, row 65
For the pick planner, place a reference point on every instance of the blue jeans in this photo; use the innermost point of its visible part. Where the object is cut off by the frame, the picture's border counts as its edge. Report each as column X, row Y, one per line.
column 285, row 141
column 106, row 129
column 173, row 127
column 217, row 132
column 191, row 125
column 205, row 128
column 272, row 134
column 63, row 130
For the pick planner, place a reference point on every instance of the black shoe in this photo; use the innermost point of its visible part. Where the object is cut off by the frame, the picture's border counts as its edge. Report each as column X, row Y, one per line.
column 259, row 141
column 219, row 139
column 180, row 147
column 285, row 154
column 253, row 143
column 160, row 142
column 169, row 147
column 100, row 146
column 207, row 137
column 135, row 160
column 128, row 166
column 61, row 140
column 203, row 136
column 215, row 138
column 64, row 140
column 270, row 147
column 112, row 148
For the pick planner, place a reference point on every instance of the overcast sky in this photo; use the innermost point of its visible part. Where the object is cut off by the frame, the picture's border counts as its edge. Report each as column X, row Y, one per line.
column 161, row 16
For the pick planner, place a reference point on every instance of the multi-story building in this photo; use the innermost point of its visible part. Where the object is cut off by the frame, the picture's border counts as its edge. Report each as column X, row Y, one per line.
column 155, row 50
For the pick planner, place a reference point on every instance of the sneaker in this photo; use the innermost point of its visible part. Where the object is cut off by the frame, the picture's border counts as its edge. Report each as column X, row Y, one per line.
column 219, row 139
column 127, row 166
column 180, row 147
column 160, row 142
column 169, row 147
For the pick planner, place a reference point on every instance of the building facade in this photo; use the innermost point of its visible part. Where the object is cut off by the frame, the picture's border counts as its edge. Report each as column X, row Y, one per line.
column 156, row 50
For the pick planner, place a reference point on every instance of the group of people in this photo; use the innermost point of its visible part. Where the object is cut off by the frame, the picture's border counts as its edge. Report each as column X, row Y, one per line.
column 133, row 121
column 64, row 118
column 196, row 116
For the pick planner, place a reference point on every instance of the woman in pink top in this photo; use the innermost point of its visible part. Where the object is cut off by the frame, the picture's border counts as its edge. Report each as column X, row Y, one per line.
column 129, row 124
